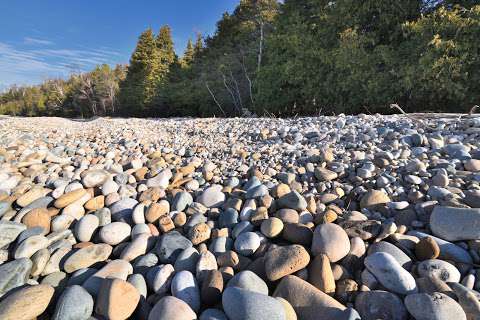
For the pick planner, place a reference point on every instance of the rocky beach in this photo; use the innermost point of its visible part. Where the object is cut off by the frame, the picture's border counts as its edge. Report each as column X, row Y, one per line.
column 330, row 218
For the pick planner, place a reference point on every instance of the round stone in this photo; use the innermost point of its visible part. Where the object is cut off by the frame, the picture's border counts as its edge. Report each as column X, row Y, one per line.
column 85, row 257
column 75, row 303
column 171, row 308
column 272, row 227
column 184, row 287
column 374, row 198
column 117, row 299
column 249, row 281
column 332, row 240
column 426, row 249
column 247, row 243
column 372, row 305
column 37, row 218
column 212, row 197
column 115, row 233
column 85, row 228
column 439, row 269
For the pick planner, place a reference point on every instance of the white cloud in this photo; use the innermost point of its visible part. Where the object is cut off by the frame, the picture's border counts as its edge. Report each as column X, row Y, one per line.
column 32, row 64
column 35, row 41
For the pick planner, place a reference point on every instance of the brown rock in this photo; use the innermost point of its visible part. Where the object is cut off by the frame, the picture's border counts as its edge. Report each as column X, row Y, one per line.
column 228, row 259
column 282, row 261
column 70, row 197
column 117, row 299
column 95, row 203
column 426, row 249
column 37, row 218
column 156, row 210
column 180, row 219
column 346, row 290
column 298, row 234
column 281, row 190
column 165, row 224
column 152, row 194
column 308, row 302
column 199, row 233
column 287, row 215
column 87, row 256
column 26, row 303
column 374, row 198
column 320, row 274
column 271, row 227
column 212, row 287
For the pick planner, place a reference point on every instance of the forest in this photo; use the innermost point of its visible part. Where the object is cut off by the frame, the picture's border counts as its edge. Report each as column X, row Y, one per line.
column 297, row 57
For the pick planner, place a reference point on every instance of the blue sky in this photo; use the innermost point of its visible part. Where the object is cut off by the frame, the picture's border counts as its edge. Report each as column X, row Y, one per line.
column 41, row 39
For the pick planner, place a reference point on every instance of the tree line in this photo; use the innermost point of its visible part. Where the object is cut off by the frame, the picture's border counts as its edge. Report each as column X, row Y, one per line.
column 298, row 57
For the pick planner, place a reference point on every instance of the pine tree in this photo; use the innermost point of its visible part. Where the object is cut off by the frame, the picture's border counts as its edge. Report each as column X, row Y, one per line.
column 189, row 54
column 138, row 88
column 197, row 49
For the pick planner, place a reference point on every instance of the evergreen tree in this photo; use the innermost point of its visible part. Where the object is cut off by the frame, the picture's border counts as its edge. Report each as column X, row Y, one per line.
column 188, row 55
column 165, row 57
column 139, row 86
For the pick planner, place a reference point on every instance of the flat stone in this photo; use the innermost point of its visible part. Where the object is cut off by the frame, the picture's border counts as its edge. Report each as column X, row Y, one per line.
column 26, row 303
column 241, row 304
column 32, row 195
column 75, row 303
column 285, row 260
column 69, row 198
column 9, row 231
column 436, row 306
column 115, row 233
column 455, row 224
column 86, row 257
column 332, row 240
column 390, row 273
column 31, row 245
column 14, row 274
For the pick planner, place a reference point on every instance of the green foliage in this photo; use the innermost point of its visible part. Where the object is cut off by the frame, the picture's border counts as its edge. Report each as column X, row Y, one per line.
column 296, row 57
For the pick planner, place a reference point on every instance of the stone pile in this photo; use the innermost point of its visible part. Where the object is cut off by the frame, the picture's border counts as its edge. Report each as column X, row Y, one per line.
column 348, row 217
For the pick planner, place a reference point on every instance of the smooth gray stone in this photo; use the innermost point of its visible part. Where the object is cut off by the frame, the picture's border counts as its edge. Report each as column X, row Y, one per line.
column 122, row 210
column 241, row 304
column 170, row 245
column 455, row 224
column 256, row 192
column 9, row 231
column 468, row 299
column 220, row 245
column 247, row 243
column 390, row 273
column 185, row 287
column 75, row 303
column 14, row 274
column 194, row 220
column 393, row 250
column 138, row 281
column 212, row 197
column 187, row 260
column 228, row 218
column 143, row 263
column 213, row 314
column 4, row 207
column 373, row 305
column 241, row 227
column 448, row 250
column 440, row 269
column 249, row 281
column 181, row 201
column 436, row 306
column 292, row 200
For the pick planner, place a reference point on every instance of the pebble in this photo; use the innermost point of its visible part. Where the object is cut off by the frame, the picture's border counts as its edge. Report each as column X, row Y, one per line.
column 86, row 257
column 75, row 303
column 377, row 304
column 285, row 260
column 247, row 243
column 454, row 224
column 439, row 269
column 85, row 227
column 9, row 231
column 426, row 249
column 436, row 306
column 115, row 233
column 117, row 299
column 14, row 274
column 185, row 287
column 248, row 280
column 241, row 304
column 170, row 245
column 171, row 308
column 27, row 303
column 390, row 273
column 332, row 240
column 212, row 197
